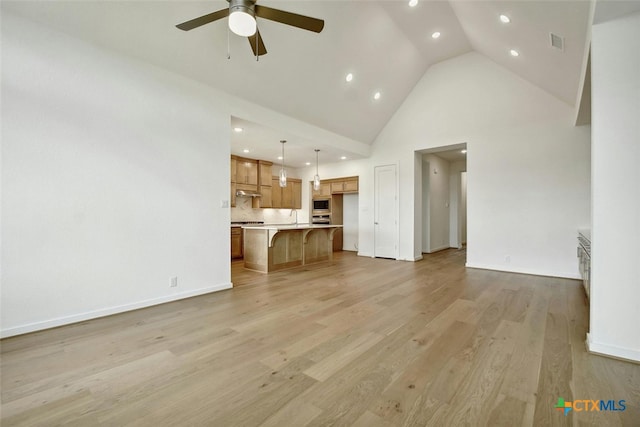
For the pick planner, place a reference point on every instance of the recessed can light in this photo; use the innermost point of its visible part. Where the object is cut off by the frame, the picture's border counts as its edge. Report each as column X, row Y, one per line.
column 514, row 52
column 245, row 151
column 279, row 157
column 435, row 35
column 376, row 96
column 349, row 77
column 505, row 19
column 238, row 129
column 308, row 163
column 413, row 3
column 343, row 158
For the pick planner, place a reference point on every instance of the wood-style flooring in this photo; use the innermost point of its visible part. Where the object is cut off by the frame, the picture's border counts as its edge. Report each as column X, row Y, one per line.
column 353, row 342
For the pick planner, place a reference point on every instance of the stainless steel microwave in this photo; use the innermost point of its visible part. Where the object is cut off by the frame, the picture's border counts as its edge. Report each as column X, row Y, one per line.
column 321, row 206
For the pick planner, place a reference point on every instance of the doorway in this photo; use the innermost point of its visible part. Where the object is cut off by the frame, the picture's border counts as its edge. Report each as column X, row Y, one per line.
column 444, row 198
column 385, row 207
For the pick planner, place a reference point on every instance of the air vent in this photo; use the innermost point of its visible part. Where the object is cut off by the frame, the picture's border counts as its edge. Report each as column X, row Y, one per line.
column 557, row 41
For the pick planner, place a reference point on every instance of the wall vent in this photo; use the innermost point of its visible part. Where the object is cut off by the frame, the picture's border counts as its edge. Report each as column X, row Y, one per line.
column 557, row 41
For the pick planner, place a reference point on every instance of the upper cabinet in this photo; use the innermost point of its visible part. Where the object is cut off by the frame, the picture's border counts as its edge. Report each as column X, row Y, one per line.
column 257, row 176
column 336, row 186
column 323, row 192
column 246, row 171
column 289, row 197
column 264, row 186
column 234, row 168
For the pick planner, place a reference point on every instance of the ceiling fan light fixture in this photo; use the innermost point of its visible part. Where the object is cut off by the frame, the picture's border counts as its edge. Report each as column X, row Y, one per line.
column 242, row 19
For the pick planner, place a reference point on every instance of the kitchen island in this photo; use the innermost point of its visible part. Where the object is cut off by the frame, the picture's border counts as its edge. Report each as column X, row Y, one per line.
column 276, row 247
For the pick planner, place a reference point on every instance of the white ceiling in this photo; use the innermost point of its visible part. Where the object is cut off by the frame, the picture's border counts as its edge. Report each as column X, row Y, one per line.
column 386, row 45
column 263, row 143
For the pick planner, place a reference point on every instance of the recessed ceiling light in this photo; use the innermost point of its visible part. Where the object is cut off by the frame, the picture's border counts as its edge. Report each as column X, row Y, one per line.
column 514, row 52
column 238, row 129
column 435, row 35
column 349, row 77
column 343, row 158
column 464, row 151
column 413, row 3
column 505, row 19
column 308, row 163
column 279, row 157
column 245, row 151
column 376, row 96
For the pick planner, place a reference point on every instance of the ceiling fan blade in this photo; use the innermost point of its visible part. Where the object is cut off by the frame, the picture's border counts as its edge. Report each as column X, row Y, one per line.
column 288, row 18
column 205, row 19
column 261, row 49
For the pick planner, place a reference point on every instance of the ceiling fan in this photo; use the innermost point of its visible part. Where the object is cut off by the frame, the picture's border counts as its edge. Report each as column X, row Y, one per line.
column 242, row 21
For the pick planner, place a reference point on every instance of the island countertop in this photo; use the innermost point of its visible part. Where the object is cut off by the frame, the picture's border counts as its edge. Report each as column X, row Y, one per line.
column 289, row 226
column 272, row 247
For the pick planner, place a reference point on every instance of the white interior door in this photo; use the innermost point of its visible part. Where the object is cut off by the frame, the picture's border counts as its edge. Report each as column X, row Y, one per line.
column 385, row 205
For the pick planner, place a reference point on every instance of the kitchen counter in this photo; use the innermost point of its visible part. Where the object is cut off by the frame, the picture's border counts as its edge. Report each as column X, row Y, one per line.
column 273, row 247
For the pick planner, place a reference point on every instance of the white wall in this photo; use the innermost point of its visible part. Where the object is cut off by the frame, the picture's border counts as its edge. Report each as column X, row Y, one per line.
column 350, row 222
column 113, row 176
column 615, row 252
column 527, row 166
column 457, row 203
column 463, row 207
column 436, row 229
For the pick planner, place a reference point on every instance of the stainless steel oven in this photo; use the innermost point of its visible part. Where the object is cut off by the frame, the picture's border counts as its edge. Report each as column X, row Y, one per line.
column 321, row 219
column 321, row 206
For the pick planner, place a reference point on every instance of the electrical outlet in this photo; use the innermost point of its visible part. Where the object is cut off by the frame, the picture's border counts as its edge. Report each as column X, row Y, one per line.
column 174, row 282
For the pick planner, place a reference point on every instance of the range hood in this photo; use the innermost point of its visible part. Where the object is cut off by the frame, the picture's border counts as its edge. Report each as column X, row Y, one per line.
column 242, row 193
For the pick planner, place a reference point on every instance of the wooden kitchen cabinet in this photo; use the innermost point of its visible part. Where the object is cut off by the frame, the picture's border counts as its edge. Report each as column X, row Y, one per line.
column 344, row 185
column 264, row 186
column 266, row 199
column 236, row 243
column 234, row 168
column 276, row 193
column 233, row 194
column 246, row 171
column 297, row 194
column 264, row 173
column 289, row 197
column 323, row 192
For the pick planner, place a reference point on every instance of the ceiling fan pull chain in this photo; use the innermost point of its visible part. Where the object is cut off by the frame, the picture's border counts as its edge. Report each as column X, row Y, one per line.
column 257, row 45
column 228, row 45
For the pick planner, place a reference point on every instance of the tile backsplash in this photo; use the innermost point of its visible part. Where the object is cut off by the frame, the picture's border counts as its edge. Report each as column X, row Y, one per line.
column 244, row 212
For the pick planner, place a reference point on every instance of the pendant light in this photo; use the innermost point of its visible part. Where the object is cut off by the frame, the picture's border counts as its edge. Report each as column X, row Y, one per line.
column 283, row 173
column 316, row 179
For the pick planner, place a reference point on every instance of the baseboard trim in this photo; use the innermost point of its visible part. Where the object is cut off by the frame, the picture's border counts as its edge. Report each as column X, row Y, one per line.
column 438, row 249
column 626, row 354
column 531, row 271
column 81, row 317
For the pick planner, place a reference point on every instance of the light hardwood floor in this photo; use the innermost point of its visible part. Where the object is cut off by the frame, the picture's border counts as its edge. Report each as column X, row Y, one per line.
column 353, row 342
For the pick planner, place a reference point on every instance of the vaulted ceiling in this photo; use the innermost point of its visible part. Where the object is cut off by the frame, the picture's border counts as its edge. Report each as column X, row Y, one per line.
column 387, row 45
